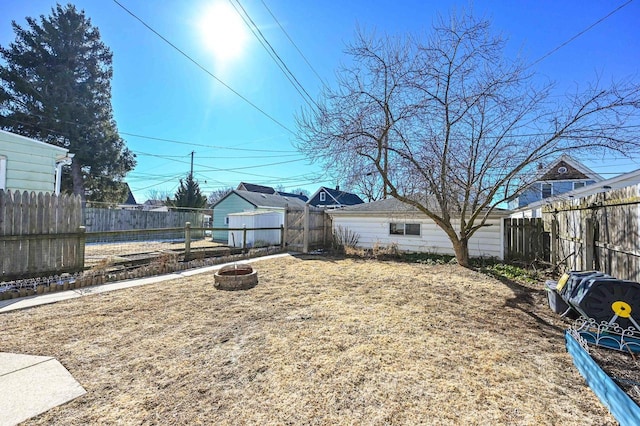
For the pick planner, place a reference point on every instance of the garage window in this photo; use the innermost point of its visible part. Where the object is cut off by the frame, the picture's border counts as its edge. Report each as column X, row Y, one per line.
column 404, row 228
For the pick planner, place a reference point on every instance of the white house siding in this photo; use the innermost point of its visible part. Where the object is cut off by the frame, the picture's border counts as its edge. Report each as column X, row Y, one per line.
column 29, row 165
column 486, row 242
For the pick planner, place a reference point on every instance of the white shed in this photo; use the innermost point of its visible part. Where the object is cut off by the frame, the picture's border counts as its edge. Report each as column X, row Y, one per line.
column 390, row 221
column 255, row 219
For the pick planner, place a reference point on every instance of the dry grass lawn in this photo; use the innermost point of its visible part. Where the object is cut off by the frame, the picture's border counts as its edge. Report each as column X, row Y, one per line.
column 318, row 341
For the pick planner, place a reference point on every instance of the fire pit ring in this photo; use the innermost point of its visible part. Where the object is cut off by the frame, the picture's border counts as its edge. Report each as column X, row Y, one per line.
column 235, row 277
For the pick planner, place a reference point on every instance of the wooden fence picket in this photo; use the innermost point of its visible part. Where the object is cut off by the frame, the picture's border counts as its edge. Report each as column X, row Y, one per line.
column 39, row 234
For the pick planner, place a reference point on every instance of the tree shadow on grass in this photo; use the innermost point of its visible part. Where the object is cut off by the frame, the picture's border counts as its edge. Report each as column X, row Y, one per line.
column 532, row 302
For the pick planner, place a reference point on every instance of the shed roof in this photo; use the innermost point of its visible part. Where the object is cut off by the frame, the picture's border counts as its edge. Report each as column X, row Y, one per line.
column 258, row 199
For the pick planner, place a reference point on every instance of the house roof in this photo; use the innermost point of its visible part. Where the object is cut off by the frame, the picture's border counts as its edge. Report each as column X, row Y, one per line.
column 252, row 187
column 617, row 182
column 341, row 198
column 290, row 194
column 574, row 170
column 5, row 134
column 262, row 189
column 261, row 200
column 391, row 206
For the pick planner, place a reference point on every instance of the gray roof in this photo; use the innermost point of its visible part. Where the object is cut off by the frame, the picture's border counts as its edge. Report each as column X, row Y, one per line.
column 269, row 200
column 393, row 205
column 256, row 188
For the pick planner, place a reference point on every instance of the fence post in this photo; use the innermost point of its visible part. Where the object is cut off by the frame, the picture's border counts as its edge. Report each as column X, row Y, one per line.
column 244, row 238
column 187, row 240
column 506, row 238
column 82, row 240
column 588, row 241
column 282, row 243
column 305, row 234
column 285, row 226
column 555, row 246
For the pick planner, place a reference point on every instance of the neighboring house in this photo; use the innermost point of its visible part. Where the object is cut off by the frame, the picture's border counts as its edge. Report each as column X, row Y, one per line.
column 155, row 206
column 30, row 165
column 130, row 203
column 563, row 175
column 238, row 201
column 621, row 181
column 387, row 222
column 333, row 198
column 252, row 187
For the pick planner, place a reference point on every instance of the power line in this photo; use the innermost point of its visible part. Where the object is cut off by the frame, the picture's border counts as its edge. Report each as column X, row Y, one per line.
column 273, row 54
column 293, row 43
column 82, row 125
column 552, row 51
column 135, row 135
column 203, row 68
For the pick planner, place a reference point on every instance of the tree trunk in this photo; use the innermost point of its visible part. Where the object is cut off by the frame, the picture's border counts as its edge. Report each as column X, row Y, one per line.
column 78, row 181
column 461, row 249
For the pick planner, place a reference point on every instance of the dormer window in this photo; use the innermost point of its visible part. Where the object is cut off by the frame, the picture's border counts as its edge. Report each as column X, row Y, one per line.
column 323, row 196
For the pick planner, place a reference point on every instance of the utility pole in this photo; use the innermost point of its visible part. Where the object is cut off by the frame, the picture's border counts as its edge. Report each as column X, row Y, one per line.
column 191, row 172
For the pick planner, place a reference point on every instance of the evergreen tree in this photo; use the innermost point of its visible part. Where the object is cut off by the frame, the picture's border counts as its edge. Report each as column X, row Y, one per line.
column 188, row 195
column 55, row 86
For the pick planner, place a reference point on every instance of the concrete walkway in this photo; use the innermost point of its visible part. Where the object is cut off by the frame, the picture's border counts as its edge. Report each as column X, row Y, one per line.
column 44, row 299
column 31, row 385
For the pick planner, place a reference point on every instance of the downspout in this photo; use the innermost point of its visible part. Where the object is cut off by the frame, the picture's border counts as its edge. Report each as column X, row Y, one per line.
column 65, row 161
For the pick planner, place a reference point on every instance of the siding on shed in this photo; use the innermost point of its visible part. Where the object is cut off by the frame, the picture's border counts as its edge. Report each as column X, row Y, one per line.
column 30, row 164
column 257, row 219
column 231, row 204
column 372, row 230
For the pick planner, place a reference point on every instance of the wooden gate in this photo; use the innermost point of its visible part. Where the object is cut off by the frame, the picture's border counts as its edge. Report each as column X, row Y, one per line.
column 306, row 229
column 526, row 239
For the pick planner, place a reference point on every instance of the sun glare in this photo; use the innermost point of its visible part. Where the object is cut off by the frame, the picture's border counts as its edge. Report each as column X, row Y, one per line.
column 223, row 32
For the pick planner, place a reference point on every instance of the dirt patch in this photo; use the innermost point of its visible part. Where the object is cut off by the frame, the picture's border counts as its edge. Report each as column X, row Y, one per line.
column 318, row 341
column 96, row 253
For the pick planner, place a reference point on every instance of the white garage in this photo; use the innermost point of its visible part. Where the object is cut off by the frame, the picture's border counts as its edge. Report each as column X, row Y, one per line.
column 390, row 221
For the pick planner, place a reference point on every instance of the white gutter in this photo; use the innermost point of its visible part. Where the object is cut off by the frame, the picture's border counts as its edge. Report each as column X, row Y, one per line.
column 65, row 161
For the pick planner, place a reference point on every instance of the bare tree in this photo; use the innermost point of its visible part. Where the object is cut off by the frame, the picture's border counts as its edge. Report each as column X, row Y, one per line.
column 218, row 194
column 156, row 194
column 368, row 185
column 453, row 127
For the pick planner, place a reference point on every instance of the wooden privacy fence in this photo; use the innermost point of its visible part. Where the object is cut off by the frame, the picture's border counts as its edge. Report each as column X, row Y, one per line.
column 306, row 229
column 526, row 239
column 599, row 232
column 40, row 234
column 101, row 221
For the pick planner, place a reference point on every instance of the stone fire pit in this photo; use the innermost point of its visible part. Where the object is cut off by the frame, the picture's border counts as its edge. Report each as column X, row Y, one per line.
column 235, row 277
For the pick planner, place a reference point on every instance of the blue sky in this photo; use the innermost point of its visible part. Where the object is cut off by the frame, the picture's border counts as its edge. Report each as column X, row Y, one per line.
column 180, row 108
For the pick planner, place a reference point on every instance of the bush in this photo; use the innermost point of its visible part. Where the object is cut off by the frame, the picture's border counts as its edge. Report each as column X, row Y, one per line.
column 344, row 241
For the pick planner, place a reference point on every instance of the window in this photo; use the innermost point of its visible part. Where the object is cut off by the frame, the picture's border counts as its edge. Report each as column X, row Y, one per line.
column 547, row 190
column 323, row 196
column 3, row 172
column 577, row 185
column 226, row 220
column 404, row 228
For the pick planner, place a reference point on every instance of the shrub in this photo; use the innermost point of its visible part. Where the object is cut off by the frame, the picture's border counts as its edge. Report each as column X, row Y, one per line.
column 344, row 240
